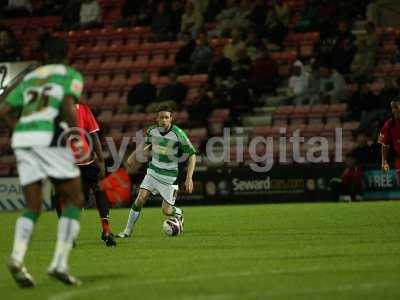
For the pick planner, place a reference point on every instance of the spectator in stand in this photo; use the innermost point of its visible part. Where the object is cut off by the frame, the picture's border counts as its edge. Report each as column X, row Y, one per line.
column 277, row 22
column 192, row 20
column 221, row 68
column 201, row 109
column 213, row 8
column 264, row 76
column 253, row 43
column 332, row 86
column 308, row 17
column 90, row 14
column 70, row 15
column 171, row 95
column 18, row 8
column 161, row 23
column 225, row 17
column 298, row 83
column 367, row 154
column 176, row 16
column 240, row 101
column 183, row 56
column 9, row 49
column 351, row 185
column 141, row 94
column 395, row 59
column 327, row 14
column 202, row 55
column 258, row 15
column 364, row 60
column 237, row 46
column 130, row 11
column 242, row 16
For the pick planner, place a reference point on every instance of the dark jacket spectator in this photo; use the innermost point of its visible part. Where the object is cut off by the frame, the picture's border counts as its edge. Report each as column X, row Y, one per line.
column 198, row 110
column 176, row 16
column 265, row 67
column 202, row 55
column 161, row 23
column 9, row 49
column 183, row 56
column 174, row 91
column 142, row 93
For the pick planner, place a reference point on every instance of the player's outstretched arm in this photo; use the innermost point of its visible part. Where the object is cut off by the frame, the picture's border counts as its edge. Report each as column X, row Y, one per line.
column 385, row 154
column 189, row 174
column 137, row 158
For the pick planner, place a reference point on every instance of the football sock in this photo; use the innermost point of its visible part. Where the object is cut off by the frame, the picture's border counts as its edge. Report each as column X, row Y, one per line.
column 22, row 236
column 103, row 208
column 58, row 204
column 68, row 230
column 134, row 215
column 176, row 211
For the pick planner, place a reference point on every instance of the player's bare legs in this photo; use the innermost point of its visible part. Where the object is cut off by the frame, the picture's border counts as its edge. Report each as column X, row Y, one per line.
column 134, row 213
column 23, row 232
column 68, row 228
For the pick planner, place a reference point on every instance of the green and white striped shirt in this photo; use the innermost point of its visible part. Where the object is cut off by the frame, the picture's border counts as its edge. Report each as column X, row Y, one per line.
column 39, row 96
column 168, row 150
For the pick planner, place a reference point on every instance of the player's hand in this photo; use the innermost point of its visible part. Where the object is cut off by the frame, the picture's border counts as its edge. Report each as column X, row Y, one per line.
column 385, row 166
column 189, row 185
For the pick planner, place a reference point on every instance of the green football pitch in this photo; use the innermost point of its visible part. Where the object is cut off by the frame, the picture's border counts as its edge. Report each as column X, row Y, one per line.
column 292, row 251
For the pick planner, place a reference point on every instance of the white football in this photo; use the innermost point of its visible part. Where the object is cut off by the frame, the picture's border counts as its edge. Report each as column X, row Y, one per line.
column 172, row 227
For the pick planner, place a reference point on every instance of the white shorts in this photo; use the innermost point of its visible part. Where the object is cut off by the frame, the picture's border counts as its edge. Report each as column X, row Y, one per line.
column 167, row 191
column 38, row 163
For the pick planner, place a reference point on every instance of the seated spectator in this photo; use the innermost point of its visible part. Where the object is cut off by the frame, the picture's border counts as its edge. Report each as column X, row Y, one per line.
column 395, row 59
column 141, row 94
column 277, row 22
column 366, row 154
column 201, row 109
column 308, row 17
column 240, row 101
column 298, row 83
column 183, row 56
column 70, row 15
column 176, row 16
column 90, row 14
column 9, row 49
column 235, row 47
column 264, row 74
column 253, row 43
column 258, row 15
column 364, row 60
column 161, row 24
column 242, row 16
column 18, row 8
column 130, row 11
column 191, row 21
column 173, row 91
column 225, row 17
column 351, row 184
column 221, row 68
column 202, row 55
column 332, row 86
column 171, row 95
column 213, row 8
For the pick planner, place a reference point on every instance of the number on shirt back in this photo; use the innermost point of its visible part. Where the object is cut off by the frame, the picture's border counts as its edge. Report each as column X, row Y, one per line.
column 37, row 100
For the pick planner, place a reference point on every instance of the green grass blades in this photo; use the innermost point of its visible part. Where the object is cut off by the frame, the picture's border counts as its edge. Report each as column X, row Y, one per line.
column 299, row 251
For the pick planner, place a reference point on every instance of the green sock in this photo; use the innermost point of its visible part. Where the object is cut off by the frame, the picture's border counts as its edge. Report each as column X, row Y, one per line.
column 136, row 208
column 27, row 213
column 71, row 212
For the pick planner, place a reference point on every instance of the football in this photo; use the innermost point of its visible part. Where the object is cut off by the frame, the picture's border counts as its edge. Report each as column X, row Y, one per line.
column 172, row 227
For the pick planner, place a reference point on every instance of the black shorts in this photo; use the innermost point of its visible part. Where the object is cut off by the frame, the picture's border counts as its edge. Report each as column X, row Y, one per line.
column 90, row 174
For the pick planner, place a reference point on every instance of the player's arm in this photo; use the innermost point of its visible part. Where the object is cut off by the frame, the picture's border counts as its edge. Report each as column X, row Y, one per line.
column 189, row 174
column 6, row 116
column 385, row 154
column 68, row 111
column 137, row 158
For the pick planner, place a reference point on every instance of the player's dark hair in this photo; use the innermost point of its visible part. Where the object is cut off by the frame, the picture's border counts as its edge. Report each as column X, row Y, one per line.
column 56, row 48
column 164, row 108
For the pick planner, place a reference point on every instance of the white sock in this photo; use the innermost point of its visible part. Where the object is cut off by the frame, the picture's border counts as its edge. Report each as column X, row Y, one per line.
column 22, row 236
column 68, row 230
column 132, row 219
column 178, row 211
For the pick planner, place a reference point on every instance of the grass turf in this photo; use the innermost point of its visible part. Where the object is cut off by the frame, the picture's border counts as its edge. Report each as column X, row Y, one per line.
column 299, row 251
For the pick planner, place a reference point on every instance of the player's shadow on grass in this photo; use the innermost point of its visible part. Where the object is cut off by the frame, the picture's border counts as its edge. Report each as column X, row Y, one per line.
column 95, row 278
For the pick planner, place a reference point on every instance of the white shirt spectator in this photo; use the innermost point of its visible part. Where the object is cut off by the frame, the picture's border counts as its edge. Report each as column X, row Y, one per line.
column 90, row 12
column 14, row 4
column 298, row 83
